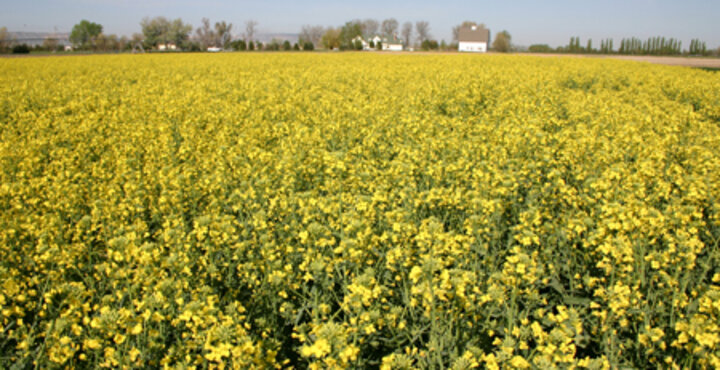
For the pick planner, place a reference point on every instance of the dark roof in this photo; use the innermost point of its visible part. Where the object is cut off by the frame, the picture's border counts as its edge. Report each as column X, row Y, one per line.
column 467, row 34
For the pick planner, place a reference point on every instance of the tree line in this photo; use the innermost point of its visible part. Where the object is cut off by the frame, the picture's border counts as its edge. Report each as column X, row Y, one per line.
column 161, row 33
column 629, row 46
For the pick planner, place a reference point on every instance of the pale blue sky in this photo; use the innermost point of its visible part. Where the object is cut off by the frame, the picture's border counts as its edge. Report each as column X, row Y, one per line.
column 529, row 22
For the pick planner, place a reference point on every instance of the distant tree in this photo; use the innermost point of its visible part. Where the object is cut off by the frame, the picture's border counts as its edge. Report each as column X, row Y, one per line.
column 574, row 45
column 407, row 30
column 50, row 44
column 349, row 32
column 311, row 34
column 428, row 45
column 4, row 40
column 250, row 29
column 371, row 44
column 606, row 46
column 422, row 28
column 370, row 27
column 273, row 45
column 21, row 49
column 179, row 33
column 239, row 45
column 160, row 30
column 122, row 43
column 251, row 45
column 503, row 42
column 589, row 48
column 204, row 34
column 84, row 33
column 223, row 34
column 136, row 42
column 101, row 43
column 697, row 47
column 389, row 27
column 296, row 47
column 308, row 46
column 443, row 45
column 379, row 45
column 331, row 38
column 258, row 45
column 540, row 48
column 286, row 45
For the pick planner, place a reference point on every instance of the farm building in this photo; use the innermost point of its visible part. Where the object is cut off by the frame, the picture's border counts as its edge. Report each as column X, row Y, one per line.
column 365, row 44
column 473, row 39
column 392, row 44
column 166, row 47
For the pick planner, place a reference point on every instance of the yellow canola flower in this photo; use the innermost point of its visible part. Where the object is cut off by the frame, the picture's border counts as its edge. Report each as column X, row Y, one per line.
column 92, row 344
column 137, row 329
column 518, row 362
column 318, row 349
column 230, row 209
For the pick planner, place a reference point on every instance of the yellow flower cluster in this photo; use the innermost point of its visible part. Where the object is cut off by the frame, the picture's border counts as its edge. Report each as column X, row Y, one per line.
column 357, row 210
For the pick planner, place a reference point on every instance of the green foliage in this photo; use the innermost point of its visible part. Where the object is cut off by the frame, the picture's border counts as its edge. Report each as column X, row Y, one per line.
column 84, row 33
column 160, row 30
column 652, row 46
column 4, row 40
column 540, row 48
column 274, row 45
column 574, row 46
column 606, row 46
column 239, row 45
column 308, row 46
column 428, row 45
column 503, row 42
column 21, row 49
column 286, row 45
column 697, row 47
column 331, row 38
column 349, row 32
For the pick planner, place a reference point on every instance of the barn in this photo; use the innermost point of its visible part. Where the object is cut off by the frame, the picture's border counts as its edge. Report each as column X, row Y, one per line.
column 473, row 39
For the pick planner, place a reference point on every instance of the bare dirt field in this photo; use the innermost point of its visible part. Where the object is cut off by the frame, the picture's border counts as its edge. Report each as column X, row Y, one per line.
column 671, row 61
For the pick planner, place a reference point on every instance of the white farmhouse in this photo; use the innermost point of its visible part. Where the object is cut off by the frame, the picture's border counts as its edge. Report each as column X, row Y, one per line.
column 392, row 44
column 365, row 44
column 166, row 47
column 473, row 39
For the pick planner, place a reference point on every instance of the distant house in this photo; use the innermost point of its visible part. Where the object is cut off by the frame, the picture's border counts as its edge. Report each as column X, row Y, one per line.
column 166, row 47
column 214, row 49
column 473, row 39
column 392, row 44
column 365, row 44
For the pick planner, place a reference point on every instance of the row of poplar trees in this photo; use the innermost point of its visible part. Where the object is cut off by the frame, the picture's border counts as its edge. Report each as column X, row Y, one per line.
column 635, row 46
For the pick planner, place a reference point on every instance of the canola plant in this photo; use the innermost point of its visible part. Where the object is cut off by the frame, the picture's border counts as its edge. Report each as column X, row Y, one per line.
column 358, row 210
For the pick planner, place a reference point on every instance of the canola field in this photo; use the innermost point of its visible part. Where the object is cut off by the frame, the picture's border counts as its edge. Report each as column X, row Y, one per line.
column 358, row 211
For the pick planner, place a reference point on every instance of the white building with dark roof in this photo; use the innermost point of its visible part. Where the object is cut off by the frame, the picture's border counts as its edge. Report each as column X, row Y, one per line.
column 473, row 39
